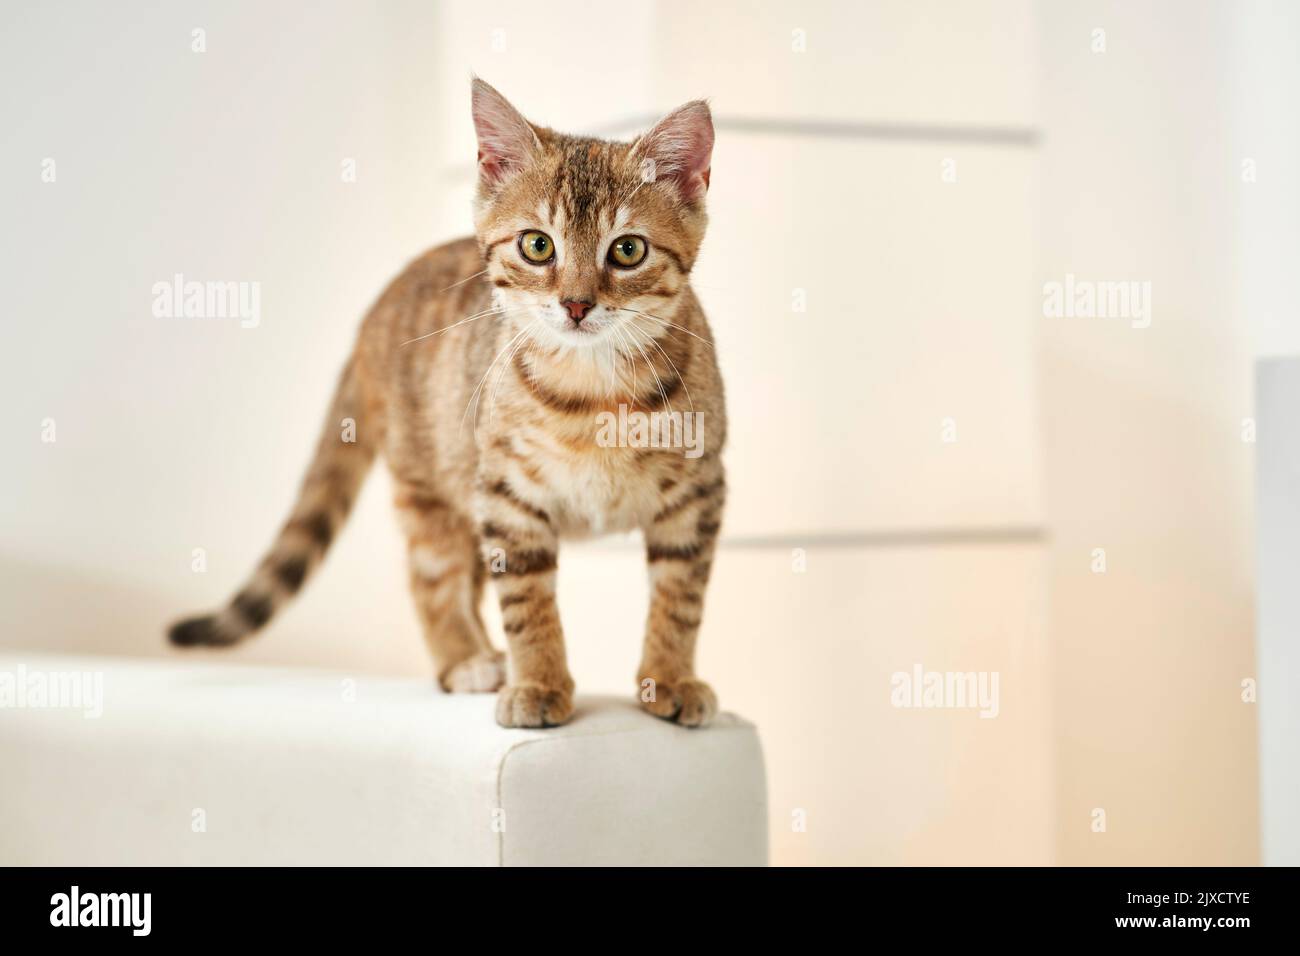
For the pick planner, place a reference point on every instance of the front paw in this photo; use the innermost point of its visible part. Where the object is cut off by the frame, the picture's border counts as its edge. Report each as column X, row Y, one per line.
column 689, row 702
column 480, row 674
column 532, row 705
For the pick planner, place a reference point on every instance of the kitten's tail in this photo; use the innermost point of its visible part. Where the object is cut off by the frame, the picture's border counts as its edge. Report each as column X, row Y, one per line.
column 347, row 447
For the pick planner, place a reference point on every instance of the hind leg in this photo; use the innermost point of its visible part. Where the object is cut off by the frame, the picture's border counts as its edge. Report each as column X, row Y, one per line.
column 447, row 583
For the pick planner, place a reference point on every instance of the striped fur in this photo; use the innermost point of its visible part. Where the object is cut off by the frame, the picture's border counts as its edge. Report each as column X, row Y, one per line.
column 484, row 400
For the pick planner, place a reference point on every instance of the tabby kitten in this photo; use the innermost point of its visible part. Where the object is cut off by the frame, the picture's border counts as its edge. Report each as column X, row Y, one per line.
column 487, row 373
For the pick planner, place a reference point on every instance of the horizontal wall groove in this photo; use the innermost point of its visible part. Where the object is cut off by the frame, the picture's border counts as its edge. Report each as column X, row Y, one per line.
column 918, row 537
column 901, row 538
column 1026, row 137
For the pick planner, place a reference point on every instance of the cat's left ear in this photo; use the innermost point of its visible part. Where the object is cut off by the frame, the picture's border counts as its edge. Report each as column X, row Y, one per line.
column 679, row 150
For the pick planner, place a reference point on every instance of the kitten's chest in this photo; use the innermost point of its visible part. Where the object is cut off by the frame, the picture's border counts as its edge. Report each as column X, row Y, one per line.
column 600, row 491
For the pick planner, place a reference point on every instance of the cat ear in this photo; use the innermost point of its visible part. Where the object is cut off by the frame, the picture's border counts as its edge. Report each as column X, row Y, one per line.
column 679, row 150
column 506, row 141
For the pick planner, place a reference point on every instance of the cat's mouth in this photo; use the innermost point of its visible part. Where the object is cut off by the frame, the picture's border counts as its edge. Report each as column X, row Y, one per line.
column 586, row 331
column 581, row 335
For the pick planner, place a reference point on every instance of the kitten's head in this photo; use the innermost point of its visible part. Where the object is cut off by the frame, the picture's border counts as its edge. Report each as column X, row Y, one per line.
column 582, row 235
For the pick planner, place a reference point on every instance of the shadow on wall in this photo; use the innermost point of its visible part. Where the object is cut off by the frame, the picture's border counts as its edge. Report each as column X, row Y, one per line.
column 62, row 609
column 57, row 609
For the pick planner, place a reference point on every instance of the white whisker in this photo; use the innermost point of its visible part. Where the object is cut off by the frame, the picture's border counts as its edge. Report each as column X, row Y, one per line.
column 463, row 281
column 496, row 389
column 631, row 360
column 671, row 325
column 663, row 395
column 465, row 321
column 611, row 356
column 673, row 366
column 635, row 190
column 474, row 394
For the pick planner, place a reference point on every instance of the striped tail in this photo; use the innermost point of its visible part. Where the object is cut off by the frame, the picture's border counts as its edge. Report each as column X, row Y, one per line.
column 343, row 457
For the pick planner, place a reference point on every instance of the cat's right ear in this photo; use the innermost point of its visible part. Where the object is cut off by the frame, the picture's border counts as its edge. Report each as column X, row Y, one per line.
column 506, row 141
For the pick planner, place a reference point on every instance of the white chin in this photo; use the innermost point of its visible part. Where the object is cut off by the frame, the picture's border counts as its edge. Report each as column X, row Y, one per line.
column 580, row 337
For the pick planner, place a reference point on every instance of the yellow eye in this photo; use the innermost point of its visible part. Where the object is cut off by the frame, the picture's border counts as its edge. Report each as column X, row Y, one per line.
column 627, row 251
column 536, row 246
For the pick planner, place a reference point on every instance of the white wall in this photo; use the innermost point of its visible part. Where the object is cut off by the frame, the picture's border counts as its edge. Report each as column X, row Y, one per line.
column 1142, row 442
column 182, row 434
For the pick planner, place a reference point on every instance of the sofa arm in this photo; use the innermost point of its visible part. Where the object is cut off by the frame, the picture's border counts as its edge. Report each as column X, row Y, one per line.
column 200, row 763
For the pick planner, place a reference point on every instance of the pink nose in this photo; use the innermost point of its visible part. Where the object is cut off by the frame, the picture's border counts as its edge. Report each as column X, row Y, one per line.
column 577, row 310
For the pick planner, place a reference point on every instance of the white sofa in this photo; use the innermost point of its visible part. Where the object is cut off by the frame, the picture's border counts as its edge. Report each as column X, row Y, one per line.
column 202, row 763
